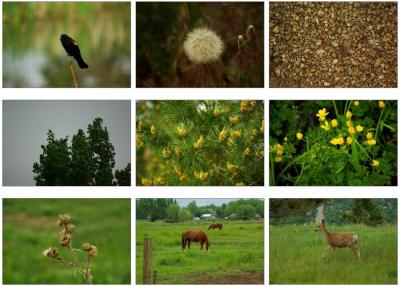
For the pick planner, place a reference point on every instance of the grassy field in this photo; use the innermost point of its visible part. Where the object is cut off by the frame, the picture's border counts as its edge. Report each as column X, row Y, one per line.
column 236, row 255
column 29, row 227
column 295, row 256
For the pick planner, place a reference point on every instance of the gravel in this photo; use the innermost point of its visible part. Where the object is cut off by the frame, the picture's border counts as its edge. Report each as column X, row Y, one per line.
column 333, row 44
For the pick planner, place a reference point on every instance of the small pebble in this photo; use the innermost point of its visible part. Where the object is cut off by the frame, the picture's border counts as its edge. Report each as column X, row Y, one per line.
column 326, row 84
column 276, row 30
column 320, row 13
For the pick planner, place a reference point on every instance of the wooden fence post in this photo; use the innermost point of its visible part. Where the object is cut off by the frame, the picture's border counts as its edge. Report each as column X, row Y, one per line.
column 147, row 261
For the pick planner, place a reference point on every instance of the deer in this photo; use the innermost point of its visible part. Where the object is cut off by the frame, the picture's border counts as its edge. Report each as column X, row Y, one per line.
column 339, row 240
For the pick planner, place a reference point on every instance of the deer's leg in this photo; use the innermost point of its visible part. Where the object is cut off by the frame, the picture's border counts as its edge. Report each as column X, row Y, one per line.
column 326, row 250
column 356, row 251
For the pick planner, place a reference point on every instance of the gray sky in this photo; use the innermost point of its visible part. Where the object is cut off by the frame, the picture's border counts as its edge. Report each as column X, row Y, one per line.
column 205, row 201
column 25, row 126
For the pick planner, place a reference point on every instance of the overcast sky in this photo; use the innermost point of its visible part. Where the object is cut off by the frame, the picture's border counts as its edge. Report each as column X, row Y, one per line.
column 204, row 201
column 25, row 126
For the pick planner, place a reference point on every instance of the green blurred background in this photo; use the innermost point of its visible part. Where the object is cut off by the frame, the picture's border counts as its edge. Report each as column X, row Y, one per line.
column 34, row 57
column 29, row 227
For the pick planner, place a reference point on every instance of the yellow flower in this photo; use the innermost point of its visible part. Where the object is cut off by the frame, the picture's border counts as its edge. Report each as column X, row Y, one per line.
column 183, row 177
column 234, row 120
column 139, row 142
column 246, row 152
column 147, row 182
column 166, row 153
column 375, row 163
column 199, row 143
column 223, row 134
column 370, row 135
column 201, row 175
column 356, row 103
column 239, row 184
column 381, row 104
column 237, row 133
column 299, row 136
column 348, row 123
column 231, row 167
column 278, row 149
column 285, row 139
column 159, row 181
column 326, row 126
column 247, row 106
column 231, row 142
column 371, row 142
column 177, row 151
column 278, row 159
column 351, row 130
column 334, row 123
column 359, row 128
column 349, row 140
column 348, row 115
column 178, row 170
column 180, row 130
column 262, row 126
column 140, row 126
column 153, row 130
column 322, row 114
column 217, row 112
column 337, row 141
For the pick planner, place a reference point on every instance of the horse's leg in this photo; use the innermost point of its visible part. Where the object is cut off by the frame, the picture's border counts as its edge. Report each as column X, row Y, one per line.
column 201, row 245
column 189, row 243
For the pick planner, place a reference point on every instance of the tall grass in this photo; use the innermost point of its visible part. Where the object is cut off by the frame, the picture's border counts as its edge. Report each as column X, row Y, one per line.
column 295, row 256
column 237, row 250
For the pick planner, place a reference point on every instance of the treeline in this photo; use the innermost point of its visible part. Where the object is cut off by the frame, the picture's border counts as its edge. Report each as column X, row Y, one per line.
column 88, row 161
column 171, row 211
column 366, row 211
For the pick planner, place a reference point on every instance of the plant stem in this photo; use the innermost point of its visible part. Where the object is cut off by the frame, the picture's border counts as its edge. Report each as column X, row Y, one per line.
column 335, row 107
column 72, row 70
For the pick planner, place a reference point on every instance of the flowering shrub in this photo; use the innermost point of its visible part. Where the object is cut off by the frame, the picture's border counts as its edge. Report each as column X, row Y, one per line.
column 333, row 143
column 200, row 143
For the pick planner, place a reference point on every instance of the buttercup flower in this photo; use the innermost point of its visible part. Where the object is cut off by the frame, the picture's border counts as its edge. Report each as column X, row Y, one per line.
column 326, row 126
column 349, row 140
column 348, row 115
column 322, row 114
column 370, row 135
column 375, row 163
column 351, row 130
column 299, row 136
column 278, row 149
column 337, row 141
column 203, row 46
column 349, row 123
column 371, row 142
column 381, row 104
column 334, row 123
column 359, row 128
column 356, row 103
column 278, row 159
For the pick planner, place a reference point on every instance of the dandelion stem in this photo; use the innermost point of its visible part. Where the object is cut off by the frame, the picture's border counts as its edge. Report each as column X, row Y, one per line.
column 72, row 70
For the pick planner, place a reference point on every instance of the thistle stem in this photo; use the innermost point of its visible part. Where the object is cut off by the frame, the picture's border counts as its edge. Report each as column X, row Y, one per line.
column 72, row 71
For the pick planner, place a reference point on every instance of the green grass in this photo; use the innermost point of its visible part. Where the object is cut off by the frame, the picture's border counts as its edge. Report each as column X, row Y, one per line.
column 29, row 227
column 236, row 254
column 295, row 256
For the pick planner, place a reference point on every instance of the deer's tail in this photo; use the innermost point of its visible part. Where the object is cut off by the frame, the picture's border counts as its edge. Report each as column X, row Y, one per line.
column 355, row 238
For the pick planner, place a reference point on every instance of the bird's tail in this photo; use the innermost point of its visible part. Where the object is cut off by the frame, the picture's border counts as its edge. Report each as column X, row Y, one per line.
column 81, row 62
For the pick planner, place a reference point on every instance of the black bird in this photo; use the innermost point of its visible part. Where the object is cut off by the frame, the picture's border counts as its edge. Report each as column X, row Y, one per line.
column 72, row 49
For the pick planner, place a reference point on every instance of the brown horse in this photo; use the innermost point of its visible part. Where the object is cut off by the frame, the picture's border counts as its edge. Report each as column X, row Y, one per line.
column 195, row 236
column 215, row 226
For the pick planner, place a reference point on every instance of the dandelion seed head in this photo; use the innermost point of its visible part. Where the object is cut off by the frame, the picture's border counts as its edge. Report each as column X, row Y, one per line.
column 203, row 45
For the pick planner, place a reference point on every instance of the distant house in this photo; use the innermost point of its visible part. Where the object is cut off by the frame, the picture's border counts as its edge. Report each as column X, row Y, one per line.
column 207, row 216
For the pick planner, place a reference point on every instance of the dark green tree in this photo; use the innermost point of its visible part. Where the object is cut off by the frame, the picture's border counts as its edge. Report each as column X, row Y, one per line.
column 102, row 153
column 123, row 176
column 88, row 161
column 365, row 211
column 246, row 212
column 55, row 162
column 173, row 212
column 81, row 162
column 152, row 209
column 194, row 209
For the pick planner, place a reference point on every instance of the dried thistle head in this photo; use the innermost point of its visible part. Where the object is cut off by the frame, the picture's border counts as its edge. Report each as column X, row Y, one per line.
column 51, row 252
column 63, row 219
column 90, row 249
column 71, row 228
column 250, row 32
column 202, row 46
column 65, row 238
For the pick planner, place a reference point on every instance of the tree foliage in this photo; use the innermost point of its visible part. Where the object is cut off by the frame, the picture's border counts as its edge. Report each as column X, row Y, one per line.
column 89, row 160
column 365, row 211
column 200, row 143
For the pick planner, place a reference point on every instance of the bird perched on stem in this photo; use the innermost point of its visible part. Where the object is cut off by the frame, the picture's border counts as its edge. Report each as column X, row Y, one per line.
column 72, row 49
